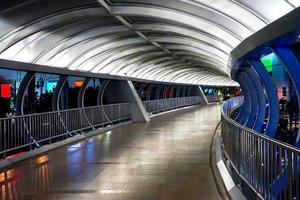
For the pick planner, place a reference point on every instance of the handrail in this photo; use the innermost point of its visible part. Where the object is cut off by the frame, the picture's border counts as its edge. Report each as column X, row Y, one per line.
column 27, row 131
column 259, row 135
column 60, row 111
column 269, row 167
column 162, row 105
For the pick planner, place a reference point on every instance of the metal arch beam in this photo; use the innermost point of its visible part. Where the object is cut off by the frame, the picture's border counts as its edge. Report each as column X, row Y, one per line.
column 149, row 92
column 123, row 57
column 81, row 94
column 107, row 4
column 108, row 57
column 165, row 91
column 199, row 10
column 37, row 41
column 101, row 92
column 219, row 10
column 254, row 99
column 272, row 97
column 98, row 61
column 178, row 17
column 119, row 64
column 218, row 43
column 91, row 53
column 197, row 58
column 203, row 76
column 71, row 53
column 150, row 64
column 132, row 68
column 157, row 70
column 189, row 91
column 32, row 26
column 57, row 92
column 170, row 73
column 79, row 38
column 172, row 91
column 178, row 90
column 196, row 50
column 261, row 101
column 223, row 81
column 158, row 92
column 141, row 89
column 154, row 71
column 21, row 92
column 190, row 42
column 221, row 67
column 183, row 93
column 86, row 42
column 292, row 66
column 244, row 116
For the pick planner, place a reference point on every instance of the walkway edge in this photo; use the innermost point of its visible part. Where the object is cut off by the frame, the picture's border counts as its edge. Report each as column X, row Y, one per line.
column 46, row 148
column 222, row 176
column 176, row 110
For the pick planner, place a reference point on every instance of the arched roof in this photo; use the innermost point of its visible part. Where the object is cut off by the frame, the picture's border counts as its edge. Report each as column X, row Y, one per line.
column 183, row 41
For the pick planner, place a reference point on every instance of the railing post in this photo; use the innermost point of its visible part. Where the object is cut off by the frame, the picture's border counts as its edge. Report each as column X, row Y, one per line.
column 119, row 112
column 5, row 138
column 290, row 176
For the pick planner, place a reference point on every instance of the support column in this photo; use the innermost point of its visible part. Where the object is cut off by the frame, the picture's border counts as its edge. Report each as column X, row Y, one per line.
column 197, row 91
column 292, row 66
column 272, row 97
column 21, row 92
column 124, row 92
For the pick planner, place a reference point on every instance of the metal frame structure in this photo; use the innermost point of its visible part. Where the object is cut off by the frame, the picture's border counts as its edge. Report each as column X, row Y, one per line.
column 111, row 37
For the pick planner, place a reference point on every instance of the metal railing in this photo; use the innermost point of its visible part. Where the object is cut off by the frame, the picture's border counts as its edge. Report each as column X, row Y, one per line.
column 35, row 129
column 269, row 167
column 162, row 105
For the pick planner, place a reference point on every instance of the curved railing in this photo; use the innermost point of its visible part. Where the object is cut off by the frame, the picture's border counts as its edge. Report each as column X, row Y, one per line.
column 269, row 167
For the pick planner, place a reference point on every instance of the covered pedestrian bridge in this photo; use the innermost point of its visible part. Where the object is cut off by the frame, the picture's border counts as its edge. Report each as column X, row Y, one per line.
column 136, row 99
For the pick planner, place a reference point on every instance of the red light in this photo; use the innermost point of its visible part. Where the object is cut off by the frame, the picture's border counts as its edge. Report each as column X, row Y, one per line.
column 5, row 90
column 78, row 83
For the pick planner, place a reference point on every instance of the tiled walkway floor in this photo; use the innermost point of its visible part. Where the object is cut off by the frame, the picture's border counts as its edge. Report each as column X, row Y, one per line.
column 165, row 159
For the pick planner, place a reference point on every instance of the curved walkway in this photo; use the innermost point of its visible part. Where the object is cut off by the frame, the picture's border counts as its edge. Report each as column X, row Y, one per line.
column 165, row 159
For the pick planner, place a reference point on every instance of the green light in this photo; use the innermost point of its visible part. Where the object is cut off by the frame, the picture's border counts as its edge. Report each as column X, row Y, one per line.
column 267, row 61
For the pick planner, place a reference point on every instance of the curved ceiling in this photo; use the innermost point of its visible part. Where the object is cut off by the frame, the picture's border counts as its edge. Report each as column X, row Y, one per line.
column 182, row 41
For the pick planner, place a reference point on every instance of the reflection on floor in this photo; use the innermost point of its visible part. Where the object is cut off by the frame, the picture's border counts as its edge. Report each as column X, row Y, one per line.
column 165, row 159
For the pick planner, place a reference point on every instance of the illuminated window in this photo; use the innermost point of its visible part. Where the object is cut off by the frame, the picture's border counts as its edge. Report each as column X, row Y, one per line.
column 5, row 90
